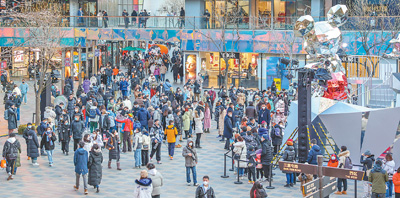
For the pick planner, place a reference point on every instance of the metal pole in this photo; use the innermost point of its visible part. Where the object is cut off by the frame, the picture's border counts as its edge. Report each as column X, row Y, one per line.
column 232, row 163
column 355, row 188
column 225, row 176
column 320, row 160
column 270, row 178
column 80, row 65
column 238, row 179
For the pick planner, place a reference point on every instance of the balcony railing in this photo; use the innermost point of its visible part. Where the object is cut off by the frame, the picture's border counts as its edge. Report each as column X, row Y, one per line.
column 176, row 22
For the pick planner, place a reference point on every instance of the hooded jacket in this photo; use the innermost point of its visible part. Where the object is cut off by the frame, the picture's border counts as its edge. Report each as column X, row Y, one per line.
column 157, row 181
column 143, row 189
column 11, row 148
column 342, row 158
column 201, row 192
column 241, row 149
column 378, row 177
column 143, row 116
column 95, row 169
column 171, row 133
column 81, row 161
column 312, row 155
column 190, row 161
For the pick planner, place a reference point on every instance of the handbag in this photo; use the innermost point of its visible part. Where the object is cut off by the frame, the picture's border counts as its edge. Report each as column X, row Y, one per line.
column 237, row 156
column 3, row 163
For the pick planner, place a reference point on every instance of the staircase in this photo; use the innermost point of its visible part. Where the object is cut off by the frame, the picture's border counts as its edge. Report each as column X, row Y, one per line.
column 380, row 95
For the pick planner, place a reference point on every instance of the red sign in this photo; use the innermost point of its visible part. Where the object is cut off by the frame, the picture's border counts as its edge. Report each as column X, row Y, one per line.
column 3, row 65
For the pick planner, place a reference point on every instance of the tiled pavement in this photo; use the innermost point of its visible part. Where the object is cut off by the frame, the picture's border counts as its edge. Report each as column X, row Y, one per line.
column 58, row 181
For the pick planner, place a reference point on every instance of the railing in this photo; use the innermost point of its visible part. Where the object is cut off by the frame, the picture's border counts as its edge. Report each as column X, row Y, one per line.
column 176, row 22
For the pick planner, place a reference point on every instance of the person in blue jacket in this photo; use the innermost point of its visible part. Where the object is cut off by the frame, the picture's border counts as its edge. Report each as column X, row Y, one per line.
column 24, row 90
column 314, row 152
column 264, row 115
column 123, row 86
column 143, row 117
column 80, row 162
column 228, row 129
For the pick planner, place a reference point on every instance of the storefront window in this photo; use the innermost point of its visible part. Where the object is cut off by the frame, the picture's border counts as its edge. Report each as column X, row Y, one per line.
column 242, row 70
column 237, row 13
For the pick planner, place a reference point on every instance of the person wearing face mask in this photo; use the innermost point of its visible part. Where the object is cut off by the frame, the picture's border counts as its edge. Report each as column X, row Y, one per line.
column 264, row 115
column 32, row 144
column 205, row 190
column 228, row 129
column 65, row 136
column 191, row 160
column 277, row 135
column 77, row 128
column 48, row 139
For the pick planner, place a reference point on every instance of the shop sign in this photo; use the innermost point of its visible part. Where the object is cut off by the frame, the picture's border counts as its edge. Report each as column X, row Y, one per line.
column 83, row 56
column 67, row 62
column 343, row 173
column 90, row 55
column 2, row 4
column 3, row 65
column 298, row 167
column 278, row 83
column 97, row 52
column 230, row 55
column 313, row 185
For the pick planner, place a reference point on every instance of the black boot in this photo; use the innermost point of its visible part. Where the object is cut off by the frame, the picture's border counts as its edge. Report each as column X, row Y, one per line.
column 97, row 191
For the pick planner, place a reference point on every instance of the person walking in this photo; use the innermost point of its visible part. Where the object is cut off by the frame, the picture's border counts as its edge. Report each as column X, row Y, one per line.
column 24, row 87
column 191, row 159
column 258, row 191
column 32, row 144
column 94, row 166
column 264, row 115
column 114, row 149
column 137, row 148
column 48, row 140
column 314, row 152
column 378, row 177
column 171, row 133
column 389, row 167
column 277, row 135
column 198, row 121
column 12, row 118
column 144, row 186
column 77, row 128
column 65, row 136
column 157, row 136
column 289, row 156
column 205, row 190
column 145, row 147
column 344, row 156
column 156, row 178
column 11, row 150
column 207, row 118
column 81, row 166
column 266, row 156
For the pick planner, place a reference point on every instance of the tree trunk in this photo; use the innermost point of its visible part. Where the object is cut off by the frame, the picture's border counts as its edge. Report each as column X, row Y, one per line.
column 37, row 109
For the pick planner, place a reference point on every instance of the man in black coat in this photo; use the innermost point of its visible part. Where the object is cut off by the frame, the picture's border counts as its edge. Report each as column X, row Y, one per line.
column 266, row 155
column 104, row 122
column 77, row 127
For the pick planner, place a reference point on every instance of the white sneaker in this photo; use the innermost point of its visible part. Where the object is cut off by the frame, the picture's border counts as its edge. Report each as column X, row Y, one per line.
column 188, row 184
column 35, row 164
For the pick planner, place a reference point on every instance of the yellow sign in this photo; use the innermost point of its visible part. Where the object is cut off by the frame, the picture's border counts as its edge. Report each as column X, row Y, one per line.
column 278, row 84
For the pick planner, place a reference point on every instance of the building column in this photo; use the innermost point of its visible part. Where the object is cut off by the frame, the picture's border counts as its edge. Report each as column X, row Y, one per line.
column 62, row 68
column 317, row 9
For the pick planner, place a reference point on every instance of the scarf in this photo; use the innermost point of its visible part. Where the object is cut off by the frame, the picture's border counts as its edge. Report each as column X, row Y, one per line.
column 49, row 138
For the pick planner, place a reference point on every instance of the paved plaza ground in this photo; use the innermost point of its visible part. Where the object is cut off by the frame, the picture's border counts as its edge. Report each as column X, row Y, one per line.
column 58, row 181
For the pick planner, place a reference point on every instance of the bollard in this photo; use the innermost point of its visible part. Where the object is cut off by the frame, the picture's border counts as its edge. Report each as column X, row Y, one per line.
column 270, row 179
column 224, row 176
column 355, row 188
column 232, row 169
column 238, row 179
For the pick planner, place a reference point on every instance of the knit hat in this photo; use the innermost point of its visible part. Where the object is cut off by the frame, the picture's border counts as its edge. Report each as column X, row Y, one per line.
column 367, row 152
column 28, row 124
column 263, row 122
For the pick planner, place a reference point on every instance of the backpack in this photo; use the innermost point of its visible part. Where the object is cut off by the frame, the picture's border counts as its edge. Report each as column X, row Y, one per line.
column 290, row 156
column 6, row 114
column 92, row 113
column 12, row 153
column 348, row 164
column 277, row 131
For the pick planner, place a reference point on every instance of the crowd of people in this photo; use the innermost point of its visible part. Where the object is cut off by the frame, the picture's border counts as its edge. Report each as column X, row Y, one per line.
column 140, row 110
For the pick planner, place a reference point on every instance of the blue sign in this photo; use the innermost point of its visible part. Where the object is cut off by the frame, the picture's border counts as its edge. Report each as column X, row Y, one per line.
column 83, row 56
column 97, row 52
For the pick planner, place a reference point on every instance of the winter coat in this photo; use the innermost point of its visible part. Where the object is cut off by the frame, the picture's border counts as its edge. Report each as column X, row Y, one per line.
column 95, row 168
column 86, row 85
column 143, row 116
column 228, row 127
column 137, row 141
column 289, row 155
column 389, row 167
column 378, row 177
column 200, row 193
column 104, row 122
column 11, row 148
column 12, row 118
column 221, row 120
column 65, row 132
column 198, row 123
column 266, row 153
column 32, row 144
column 264, row 115
column 251, row 158
column 143, row 188
column 241, row 98
column 115, row 151
column 367, row 165
column 312, row 155
column 88, row 146
column 207, row 119
column 49, row 113
column 262, row 131
column 77, row 128
column 396, row 182
column 48, row 144
column 171, row 133
column 190, row 161
column 186, row 121
column 342, row 158
column 157, row 181
column 257, row 191
column 277, row 140
column 128, row 124
column 251, row 112
column 241, row 149
column 81, row 161
column 96, row 140
column 146, row 141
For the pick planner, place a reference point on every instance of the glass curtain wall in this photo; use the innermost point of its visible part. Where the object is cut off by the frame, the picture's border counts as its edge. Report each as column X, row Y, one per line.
column 237, row 13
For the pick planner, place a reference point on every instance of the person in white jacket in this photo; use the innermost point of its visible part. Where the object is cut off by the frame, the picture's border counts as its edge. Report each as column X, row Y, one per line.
column 137, row 147
column 198, row 121
column 96, row 138
column 144, row 186
column 145, row 147
column 389, row 167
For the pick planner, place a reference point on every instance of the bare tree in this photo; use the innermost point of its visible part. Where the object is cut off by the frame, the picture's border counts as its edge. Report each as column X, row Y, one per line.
column 45, row 37
column 374, row 21
column 171, row 7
